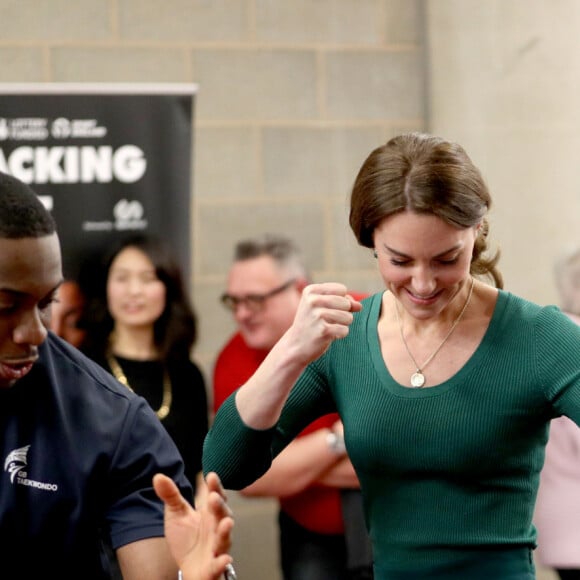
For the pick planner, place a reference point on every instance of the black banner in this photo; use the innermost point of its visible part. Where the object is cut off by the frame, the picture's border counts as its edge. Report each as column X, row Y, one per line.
column 107, row 160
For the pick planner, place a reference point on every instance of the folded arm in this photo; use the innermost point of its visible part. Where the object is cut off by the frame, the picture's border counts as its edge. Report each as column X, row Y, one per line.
column 342, row 475
column 308, row 460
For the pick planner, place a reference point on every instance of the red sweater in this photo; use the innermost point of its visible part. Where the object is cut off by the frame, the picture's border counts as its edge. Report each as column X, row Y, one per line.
column 317, row 507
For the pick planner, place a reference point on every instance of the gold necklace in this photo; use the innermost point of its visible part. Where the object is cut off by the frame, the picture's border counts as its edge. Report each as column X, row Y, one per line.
column 418, row 378
column 118, row 373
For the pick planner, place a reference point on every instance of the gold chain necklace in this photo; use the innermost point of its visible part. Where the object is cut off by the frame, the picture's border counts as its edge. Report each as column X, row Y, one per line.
column 118, row 373
column 418, row 378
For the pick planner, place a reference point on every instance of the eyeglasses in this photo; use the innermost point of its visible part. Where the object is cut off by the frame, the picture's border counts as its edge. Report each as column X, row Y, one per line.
column 253, row 302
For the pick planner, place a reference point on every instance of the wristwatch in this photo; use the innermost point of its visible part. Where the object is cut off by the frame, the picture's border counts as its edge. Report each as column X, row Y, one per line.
column 335, row 443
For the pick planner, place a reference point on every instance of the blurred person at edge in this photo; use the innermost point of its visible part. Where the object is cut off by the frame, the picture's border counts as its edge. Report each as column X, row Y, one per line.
column 66, row 313
column 321, row 523
column 141, row 328
column 557, row 514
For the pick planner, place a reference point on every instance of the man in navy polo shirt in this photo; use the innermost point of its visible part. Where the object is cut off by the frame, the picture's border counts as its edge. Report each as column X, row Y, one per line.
column 78, row 451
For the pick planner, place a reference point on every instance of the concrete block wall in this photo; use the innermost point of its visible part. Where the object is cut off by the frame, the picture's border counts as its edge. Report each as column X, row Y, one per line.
column 288, row 108
column 504, row 82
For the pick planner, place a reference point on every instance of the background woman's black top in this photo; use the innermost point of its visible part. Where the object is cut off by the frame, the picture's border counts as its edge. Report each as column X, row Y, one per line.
column 187, row 422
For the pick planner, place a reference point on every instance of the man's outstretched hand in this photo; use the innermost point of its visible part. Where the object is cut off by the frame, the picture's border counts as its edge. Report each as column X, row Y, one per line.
column 199, row 539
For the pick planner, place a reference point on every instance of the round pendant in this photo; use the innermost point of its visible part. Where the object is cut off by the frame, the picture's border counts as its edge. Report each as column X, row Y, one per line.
column 417, row 379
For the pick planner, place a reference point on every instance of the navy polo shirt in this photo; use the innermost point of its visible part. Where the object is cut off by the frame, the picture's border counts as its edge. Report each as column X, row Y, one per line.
column 78, row 452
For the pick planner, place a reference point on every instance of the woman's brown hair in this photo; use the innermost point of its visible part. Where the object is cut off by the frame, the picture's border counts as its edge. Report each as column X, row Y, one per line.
column 426, row 175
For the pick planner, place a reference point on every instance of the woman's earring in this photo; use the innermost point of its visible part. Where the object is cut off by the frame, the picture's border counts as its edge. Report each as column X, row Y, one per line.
column 375, row 254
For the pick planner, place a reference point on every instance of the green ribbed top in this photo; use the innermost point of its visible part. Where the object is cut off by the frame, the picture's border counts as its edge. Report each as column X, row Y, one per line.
column 448, row 472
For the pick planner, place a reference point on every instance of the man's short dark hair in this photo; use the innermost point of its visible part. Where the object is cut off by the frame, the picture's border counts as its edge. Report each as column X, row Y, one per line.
column 22, row 214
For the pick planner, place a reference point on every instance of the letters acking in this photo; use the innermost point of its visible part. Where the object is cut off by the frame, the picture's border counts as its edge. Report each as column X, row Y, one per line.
column 107, row 160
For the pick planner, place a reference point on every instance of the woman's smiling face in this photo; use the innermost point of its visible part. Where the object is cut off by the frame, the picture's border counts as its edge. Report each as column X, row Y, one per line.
column 135, row 295
column 423, row 260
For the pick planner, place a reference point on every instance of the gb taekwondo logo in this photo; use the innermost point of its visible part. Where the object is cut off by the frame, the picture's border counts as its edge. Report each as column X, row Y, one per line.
column 16, row 464
column 16, row 461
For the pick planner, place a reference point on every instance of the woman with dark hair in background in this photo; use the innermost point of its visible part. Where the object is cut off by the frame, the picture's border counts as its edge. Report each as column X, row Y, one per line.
column 141, row 328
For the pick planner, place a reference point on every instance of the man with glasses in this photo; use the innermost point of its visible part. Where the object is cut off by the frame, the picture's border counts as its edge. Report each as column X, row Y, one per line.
column 264, row 287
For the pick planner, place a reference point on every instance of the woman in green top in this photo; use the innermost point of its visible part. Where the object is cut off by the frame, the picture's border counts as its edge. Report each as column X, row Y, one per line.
column 444, row 382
